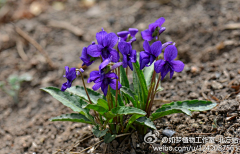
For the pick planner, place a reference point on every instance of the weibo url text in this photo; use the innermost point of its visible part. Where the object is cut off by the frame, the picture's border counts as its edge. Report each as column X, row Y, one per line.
column 196, row 148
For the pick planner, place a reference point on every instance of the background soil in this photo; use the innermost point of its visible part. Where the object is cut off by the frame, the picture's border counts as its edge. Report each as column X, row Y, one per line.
column 207, row 35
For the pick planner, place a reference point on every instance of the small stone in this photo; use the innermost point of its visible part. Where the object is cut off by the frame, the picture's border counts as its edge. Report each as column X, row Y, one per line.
column 216, row 85
column 193, row 95
column 195, row 114
column 195, row 69
column 168, row 132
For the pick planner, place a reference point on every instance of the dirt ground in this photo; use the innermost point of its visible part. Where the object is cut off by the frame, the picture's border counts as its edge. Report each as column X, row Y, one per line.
column 207, row 35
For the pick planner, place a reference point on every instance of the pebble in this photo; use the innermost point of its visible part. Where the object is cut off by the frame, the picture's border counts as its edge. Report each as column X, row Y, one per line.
column 216, row 85
column 195, row 69
column 168, row 132
column 193, row 95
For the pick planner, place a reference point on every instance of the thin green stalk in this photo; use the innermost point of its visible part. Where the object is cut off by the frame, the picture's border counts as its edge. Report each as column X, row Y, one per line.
column 97, row 117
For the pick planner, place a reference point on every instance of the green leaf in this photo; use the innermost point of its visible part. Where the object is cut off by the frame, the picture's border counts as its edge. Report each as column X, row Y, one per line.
column 146, row 121
column 80, row 91
column 136, row 87
column 123, row 77
column 109, row 137
column 125, row 110
column 131, row 120
column 74, row 117
column 13, row 79
column 103, row 103
column 72, row 101
column 101, row 110
column 182, row 107
column 99, row 133
column 109, row 115
column 142, row 81
column 118, row 126
column 129, row 94
column 148, row 72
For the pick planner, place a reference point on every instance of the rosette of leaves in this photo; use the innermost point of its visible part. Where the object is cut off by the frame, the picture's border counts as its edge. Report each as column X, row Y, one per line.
column 130, row 108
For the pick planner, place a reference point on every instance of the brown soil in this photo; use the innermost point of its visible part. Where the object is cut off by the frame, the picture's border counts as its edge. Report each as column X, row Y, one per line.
column 207, row 37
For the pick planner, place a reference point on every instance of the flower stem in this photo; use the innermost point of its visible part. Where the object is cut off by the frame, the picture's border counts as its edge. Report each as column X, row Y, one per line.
column 116, row 96
column 153, row 95
column 127, row 71
column 97, row 118
column 109, row 98
column 150, row 90
column 85, row 88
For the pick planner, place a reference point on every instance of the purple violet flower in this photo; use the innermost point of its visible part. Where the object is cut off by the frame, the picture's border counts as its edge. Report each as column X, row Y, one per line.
column 124, row 35
column 105, row 77
column 169, row 64
column 85, row 57
column 153, row 30
column 106, row 42
column 129, row 55
column 150, row 53
column 70, row 75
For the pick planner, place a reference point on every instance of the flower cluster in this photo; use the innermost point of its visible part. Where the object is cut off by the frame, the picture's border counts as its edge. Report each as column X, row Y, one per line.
column 106, row 77
column 121, row 98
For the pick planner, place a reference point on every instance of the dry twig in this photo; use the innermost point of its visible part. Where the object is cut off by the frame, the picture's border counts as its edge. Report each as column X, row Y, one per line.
column 35, row 44
column 99, row 143
column 65, row 25
column 20, row 50
column 76, row 144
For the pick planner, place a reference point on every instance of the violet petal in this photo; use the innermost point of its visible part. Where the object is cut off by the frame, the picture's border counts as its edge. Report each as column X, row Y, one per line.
column 170, row 53
column 110, row 40
column 100, row 36
column 156, row 48
column 177, row 65
column 94, row 50
column 147, row 35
